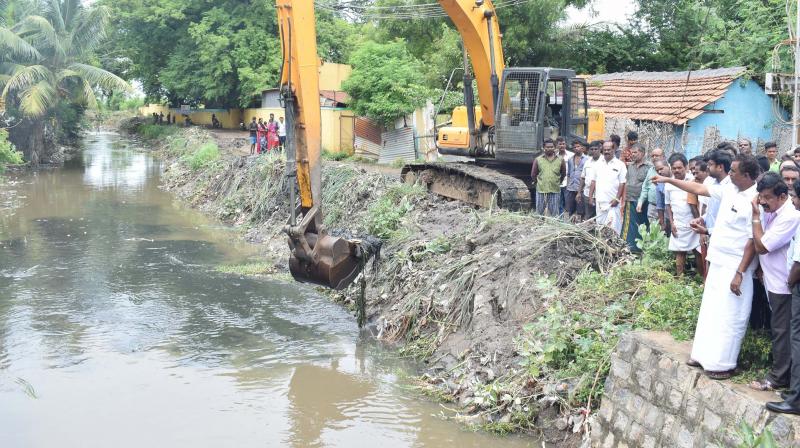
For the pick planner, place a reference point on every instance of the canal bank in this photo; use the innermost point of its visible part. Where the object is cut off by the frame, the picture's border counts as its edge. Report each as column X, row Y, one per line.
column 515, row 317
column 117, row 328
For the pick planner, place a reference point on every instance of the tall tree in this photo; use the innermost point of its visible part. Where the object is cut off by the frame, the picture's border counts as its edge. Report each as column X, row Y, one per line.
column 45, row 68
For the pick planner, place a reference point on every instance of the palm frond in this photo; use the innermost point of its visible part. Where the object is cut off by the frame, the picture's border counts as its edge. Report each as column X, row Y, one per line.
column 56, row 15
column 18, row 46
column 38, row 99
column 4, row 9
column 65, row 73
column 89, row 96
column 40, row 33
column 100, row 78
column 25, row 77
column 90, row 30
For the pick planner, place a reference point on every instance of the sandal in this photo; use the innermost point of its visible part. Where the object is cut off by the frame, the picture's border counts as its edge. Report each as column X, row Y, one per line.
column 719, row 375
column 692, row 363
column 765, row 386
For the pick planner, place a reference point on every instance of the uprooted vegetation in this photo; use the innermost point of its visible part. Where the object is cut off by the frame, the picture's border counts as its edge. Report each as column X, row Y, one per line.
column 514, row 316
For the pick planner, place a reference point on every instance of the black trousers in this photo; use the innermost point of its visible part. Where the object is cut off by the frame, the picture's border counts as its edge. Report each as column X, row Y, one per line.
column 782, row 307
column 760, row 314
column 794, row 398
column 572, row 207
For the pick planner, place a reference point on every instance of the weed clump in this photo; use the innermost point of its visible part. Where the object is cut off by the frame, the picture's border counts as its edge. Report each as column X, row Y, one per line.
column 203, row 157
column 386, row 213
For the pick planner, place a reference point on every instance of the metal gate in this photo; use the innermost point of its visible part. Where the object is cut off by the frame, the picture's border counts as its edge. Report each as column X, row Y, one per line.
column 347, row 135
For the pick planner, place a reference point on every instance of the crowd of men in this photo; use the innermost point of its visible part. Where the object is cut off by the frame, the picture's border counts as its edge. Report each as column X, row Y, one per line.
column 739, row 214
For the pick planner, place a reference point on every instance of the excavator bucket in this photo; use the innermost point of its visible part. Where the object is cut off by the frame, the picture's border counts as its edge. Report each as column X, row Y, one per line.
column 334, row 262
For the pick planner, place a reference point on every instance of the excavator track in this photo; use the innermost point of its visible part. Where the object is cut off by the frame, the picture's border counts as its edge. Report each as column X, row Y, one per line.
column 470, row 183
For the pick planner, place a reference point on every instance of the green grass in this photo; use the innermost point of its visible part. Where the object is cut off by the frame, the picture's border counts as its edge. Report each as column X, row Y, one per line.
column 336, row 156
column 156, row 132
column 385, row 215
column 203, row 157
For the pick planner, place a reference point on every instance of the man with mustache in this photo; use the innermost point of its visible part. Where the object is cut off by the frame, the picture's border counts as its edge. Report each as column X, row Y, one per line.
column 773, row 230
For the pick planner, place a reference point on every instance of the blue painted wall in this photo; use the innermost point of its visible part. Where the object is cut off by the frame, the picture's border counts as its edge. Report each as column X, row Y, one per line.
column 748, row 113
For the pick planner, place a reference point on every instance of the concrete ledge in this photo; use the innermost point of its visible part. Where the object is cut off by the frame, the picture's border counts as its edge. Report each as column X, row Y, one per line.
column 652, row 398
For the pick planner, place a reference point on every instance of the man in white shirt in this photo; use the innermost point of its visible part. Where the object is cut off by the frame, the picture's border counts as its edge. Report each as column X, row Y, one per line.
column 587, row 175
column 608, row 188
column 724, row 312
column 791, row 403
column 281, row 132
column 566, row 154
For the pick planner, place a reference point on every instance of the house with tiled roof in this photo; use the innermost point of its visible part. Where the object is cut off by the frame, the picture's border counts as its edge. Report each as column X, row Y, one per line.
column 691, row 102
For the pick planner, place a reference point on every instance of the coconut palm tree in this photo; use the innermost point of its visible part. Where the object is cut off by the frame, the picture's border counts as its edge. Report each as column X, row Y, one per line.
column 43, row 64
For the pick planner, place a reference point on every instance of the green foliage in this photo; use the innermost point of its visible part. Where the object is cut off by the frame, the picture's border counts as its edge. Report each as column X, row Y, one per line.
column 121, row 101
column 335, row 156
column 572, row 342
column 247, row 269
column 8, row 154
column 386, row 82
column 748, row 438
column 755, row 356
column 156, row 132
column 385, row 214
column 203, row 157
column 654, row 245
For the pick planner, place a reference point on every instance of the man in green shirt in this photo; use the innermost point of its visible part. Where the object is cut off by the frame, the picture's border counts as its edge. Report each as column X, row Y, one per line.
column 634, row 215
column 771, row 150
column 547, row 172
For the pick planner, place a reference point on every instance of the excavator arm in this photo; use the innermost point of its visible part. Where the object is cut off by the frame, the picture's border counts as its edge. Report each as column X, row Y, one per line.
column 316, row 256
column 477, row 24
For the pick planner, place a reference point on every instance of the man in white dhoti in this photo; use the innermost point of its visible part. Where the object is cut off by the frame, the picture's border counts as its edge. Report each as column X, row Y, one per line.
column 724, row 312
column 608, row 188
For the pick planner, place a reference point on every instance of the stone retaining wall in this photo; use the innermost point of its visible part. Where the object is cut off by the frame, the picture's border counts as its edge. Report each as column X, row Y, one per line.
column 652, row 398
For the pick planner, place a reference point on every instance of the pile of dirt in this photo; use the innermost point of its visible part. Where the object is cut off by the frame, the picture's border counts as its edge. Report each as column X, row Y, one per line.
column 458, row 292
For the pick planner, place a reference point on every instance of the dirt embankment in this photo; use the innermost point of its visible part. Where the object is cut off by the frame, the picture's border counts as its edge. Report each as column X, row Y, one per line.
column 456, row 287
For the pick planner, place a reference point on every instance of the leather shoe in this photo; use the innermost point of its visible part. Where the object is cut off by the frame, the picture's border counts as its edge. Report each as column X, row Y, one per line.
column 786, row 394
column 782, row 407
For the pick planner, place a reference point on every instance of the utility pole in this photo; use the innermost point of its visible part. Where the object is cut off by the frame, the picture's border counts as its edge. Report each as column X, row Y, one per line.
column 795, row 105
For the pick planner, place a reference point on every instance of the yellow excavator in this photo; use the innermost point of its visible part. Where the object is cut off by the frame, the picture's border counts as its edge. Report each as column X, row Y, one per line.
column 518, row 108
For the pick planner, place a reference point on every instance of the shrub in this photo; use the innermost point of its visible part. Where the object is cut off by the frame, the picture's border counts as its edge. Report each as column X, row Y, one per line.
column 385, row 214
column 156, row 132
column 203, row 157
column 8, row 154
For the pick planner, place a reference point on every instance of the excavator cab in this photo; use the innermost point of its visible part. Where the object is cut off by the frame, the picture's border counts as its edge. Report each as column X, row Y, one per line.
column 534, row 104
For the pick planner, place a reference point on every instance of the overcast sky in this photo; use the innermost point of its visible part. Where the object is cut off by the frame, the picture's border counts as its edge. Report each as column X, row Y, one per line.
column 611, row 11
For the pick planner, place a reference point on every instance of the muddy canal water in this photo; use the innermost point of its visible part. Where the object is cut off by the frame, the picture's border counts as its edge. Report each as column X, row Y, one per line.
column 117, row 331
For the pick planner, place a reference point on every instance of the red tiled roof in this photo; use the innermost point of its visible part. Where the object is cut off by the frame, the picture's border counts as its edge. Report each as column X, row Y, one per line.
column 336, row 96
column 666, row 97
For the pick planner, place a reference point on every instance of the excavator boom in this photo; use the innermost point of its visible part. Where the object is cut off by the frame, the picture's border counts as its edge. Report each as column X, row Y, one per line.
column 316, row 256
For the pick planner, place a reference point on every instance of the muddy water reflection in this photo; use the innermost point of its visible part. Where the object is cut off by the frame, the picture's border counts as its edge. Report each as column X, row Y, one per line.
column 115, row 330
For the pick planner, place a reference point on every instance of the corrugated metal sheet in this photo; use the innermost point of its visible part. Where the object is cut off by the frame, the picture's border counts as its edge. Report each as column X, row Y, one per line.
column 398, row 145
column 368, row 130
column 367, row 149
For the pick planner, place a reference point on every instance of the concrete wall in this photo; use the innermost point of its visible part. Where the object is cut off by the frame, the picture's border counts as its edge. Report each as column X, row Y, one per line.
column 748, row 113
column 653, row 399
column 331, row 76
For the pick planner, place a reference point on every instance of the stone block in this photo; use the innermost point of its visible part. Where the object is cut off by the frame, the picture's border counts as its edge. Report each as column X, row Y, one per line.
column 635, row 434
column 753, row 415
column 685, row 438
column 606, row 409
column 649, row 442
column 645, row 379
column 711, row 421
column 635, row 403
column 660, row 390
column 609, row 441
column 626, row 347
column 674, row 400
column 687, row 377
column 620, row 369
column 621, row 422
column 621, row 395
column 654, row 418
column 667, row 367
column 669, row 425
column 781, row 428
column 643, row 354
column 693, row 408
